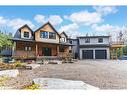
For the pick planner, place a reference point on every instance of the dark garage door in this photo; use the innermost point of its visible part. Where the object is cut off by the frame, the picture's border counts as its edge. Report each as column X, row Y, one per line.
column 100, row 54
column 87, row 54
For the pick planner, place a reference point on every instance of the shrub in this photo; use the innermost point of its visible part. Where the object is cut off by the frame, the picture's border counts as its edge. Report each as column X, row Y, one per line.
column 19, row 64
column 32, row 87
column 3, row 79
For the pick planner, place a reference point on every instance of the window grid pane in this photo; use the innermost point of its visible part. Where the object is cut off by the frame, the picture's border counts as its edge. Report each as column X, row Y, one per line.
column 26, row 34
column 52, row 35
column 100, row 40
column 43, row 34
column 87, row 40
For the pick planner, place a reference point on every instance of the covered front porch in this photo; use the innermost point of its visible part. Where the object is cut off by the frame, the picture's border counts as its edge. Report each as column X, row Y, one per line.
column 116, row 50
column 33, row 50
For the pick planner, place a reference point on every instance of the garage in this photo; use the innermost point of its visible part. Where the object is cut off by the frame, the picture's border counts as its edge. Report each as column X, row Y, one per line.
column 100, row 54
column 87, row 54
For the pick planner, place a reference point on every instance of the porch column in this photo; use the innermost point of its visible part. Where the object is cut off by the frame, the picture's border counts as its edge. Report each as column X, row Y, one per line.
column 116, row 53
column 36, row 50
column 13, row 48
column 121, row 52
column 57, row 50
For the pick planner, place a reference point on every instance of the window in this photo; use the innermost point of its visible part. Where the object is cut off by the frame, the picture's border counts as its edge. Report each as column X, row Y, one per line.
column 52, row 35
column 28, row 48
column 43, row 34
column 100, row 40
column 61, row 49
column 70, row 42
column 70, row 51
column 26, row 34
column 62, row 39
column 87, row 40
column 25, row 48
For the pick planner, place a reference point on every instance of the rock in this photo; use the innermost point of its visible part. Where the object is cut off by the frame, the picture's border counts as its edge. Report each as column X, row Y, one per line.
column 28, row 67
column 9, row 73
column 53, row 83
column 56, row 62
column 33, row 65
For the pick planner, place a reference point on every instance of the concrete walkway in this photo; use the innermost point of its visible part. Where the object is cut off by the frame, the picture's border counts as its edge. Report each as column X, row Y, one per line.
column 55, row 83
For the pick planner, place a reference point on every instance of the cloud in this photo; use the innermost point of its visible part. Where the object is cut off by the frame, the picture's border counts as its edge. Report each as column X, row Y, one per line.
column 85, row 18
column 40, row 18
column 71, row 30
column 108, row 28
column 11, row 25
column 18, row 22
column 105, row 10
column 102, row 28
column 54, row 19
column 69, row 27
column 89, row 18
column 111, row 30
column 3, row 21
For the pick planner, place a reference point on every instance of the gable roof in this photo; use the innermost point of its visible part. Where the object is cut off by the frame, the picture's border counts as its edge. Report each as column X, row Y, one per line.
column 64, row 34
column 27, row 27
column 50, row 26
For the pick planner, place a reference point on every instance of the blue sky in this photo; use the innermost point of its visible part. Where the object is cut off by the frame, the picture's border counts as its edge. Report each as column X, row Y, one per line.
column 74, row 20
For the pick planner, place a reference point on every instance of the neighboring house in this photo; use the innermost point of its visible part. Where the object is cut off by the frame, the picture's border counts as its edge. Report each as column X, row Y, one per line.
column 45, row 41
column 6, row 52
column 74, row 48
column 94, row 47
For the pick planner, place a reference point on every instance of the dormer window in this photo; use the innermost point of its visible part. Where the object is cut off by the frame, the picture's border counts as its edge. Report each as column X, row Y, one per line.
column 62, row 39
column 87, row 40
column 26, row 34
column 100, row 40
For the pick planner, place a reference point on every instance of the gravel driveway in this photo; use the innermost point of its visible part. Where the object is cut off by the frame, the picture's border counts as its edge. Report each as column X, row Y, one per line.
column 105, row 74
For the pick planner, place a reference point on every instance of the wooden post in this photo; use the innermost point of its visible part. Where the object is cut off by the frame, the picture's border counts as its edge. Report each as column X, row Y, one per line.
column 57, row 49
column 14, row 49
column 36, row 50
column 116, row 52
column 121, row 53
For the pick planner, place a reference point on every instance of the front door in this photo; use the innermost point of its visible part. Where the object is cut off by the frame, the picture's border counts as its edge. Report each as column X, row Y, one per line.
column 46, row 51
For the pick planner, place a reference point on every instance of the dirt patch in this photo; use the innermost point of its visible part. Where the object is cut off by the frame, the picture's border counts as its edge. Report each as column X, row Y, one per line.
column 105, row 74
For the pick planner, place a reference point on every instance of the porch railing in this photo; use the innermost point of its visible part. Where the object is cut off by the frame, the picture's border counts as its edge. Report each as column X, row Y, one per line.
column 32, row 54
column 23, row 54
column 117, row 43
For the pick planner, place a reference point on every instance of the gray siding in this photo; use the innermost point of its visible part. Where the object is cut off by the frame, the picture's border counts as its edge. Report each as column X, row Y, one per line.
column 17, row 34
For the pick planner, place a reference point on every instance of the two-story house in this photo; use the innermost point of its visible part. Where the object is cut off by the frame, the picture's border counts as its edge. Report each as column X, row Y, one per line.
column 45, row 41
column 94, row 47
